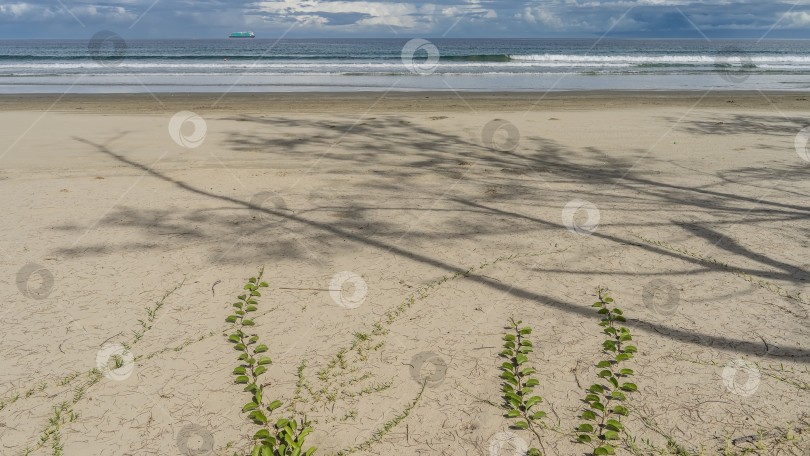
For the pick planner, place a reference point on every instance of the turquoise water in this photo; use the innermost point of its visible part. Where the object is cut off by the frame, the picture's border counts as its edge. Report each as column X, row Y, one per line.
column 111, row 64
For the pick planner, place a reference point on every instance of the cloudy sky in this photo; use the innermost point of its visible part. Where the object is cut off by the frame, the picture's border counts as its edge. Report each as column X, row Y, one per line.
column 381, row 18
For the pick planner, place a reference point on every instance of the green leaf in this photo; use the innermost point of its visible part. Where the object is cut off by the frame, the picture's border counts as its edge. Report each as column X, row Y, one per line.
column 598, row 406
column 591, row 398
column 603, row 450
column 310, row 451
column 614, row 382
column 240, row 312
column 584, row 438
column 603, row 364
column 618, row 395
column 251, row 308
column 263, row 284
column 588, row 415
column 538, row 415
column 532, row 382
column 252, row 280
column 507, row 353
column 509, row 337
column 239, row 347
column 260, row 349
column 526, row 342
column 521, row 425
column 629, row 387
column 262, row 434
column 525, row 331
column 242, row 297
column 509, row 344
column 630, row 349
column 585, row 428
column 622, row 357
column 239, row 370
column 242, row 379
column 265, row 360
column 619, row 410
column 274, row 405
column 234, row 338
column 258, row 416
column 250, row 406
column 231, row 319
column 605, row 373
column 247, row 323
column 598, row 389
column 281, row 423
column 243, row 357
column 255, row 293
column 260, row 370
column 611, row 435
column 614, row 425
column 625, row 337
column 626, row 372
column 528, row 371
column 532, row 401
column 521, row 358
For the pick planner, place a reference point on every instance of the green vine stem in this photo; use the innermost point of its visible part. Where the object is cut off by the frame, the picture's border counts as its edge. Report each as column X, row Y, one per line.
column 601, row 396
column 518, row 384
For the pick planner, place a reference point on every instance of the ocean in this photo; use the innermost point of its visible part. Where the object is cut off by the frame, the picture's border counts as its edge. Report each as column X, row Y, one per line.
column 111, row 64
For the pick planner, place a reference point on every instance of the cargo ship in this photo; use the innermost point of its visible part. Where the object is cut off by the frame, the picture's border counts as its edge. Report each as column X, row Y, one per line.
column 242, row 35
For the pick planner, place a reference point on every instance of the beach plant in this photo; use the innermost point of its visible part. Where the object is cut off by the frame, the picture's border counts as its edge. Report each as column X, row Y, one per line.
column 602, row 418
column 285, row 436
column 518, row 383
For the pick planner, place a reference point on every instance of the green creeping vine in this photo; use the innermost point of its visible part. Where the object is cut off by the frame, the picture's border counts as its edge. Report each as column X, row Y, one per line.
column 518, row 384
column 286, row 436
column 601, row 396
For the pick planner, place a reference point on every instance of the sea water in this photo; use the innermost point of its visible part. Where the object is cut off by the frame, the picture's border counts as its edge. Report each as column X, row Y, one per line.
column 110, row 64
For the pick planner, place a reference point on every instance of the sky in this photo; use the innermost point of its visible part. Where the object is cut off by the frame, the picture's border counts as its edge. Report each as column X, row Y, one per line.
column 132, row 19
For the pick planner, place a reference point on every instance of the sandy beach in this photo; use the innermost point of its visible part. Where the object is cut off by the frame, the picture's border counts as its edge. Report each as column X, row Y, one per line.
column 398, row 233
